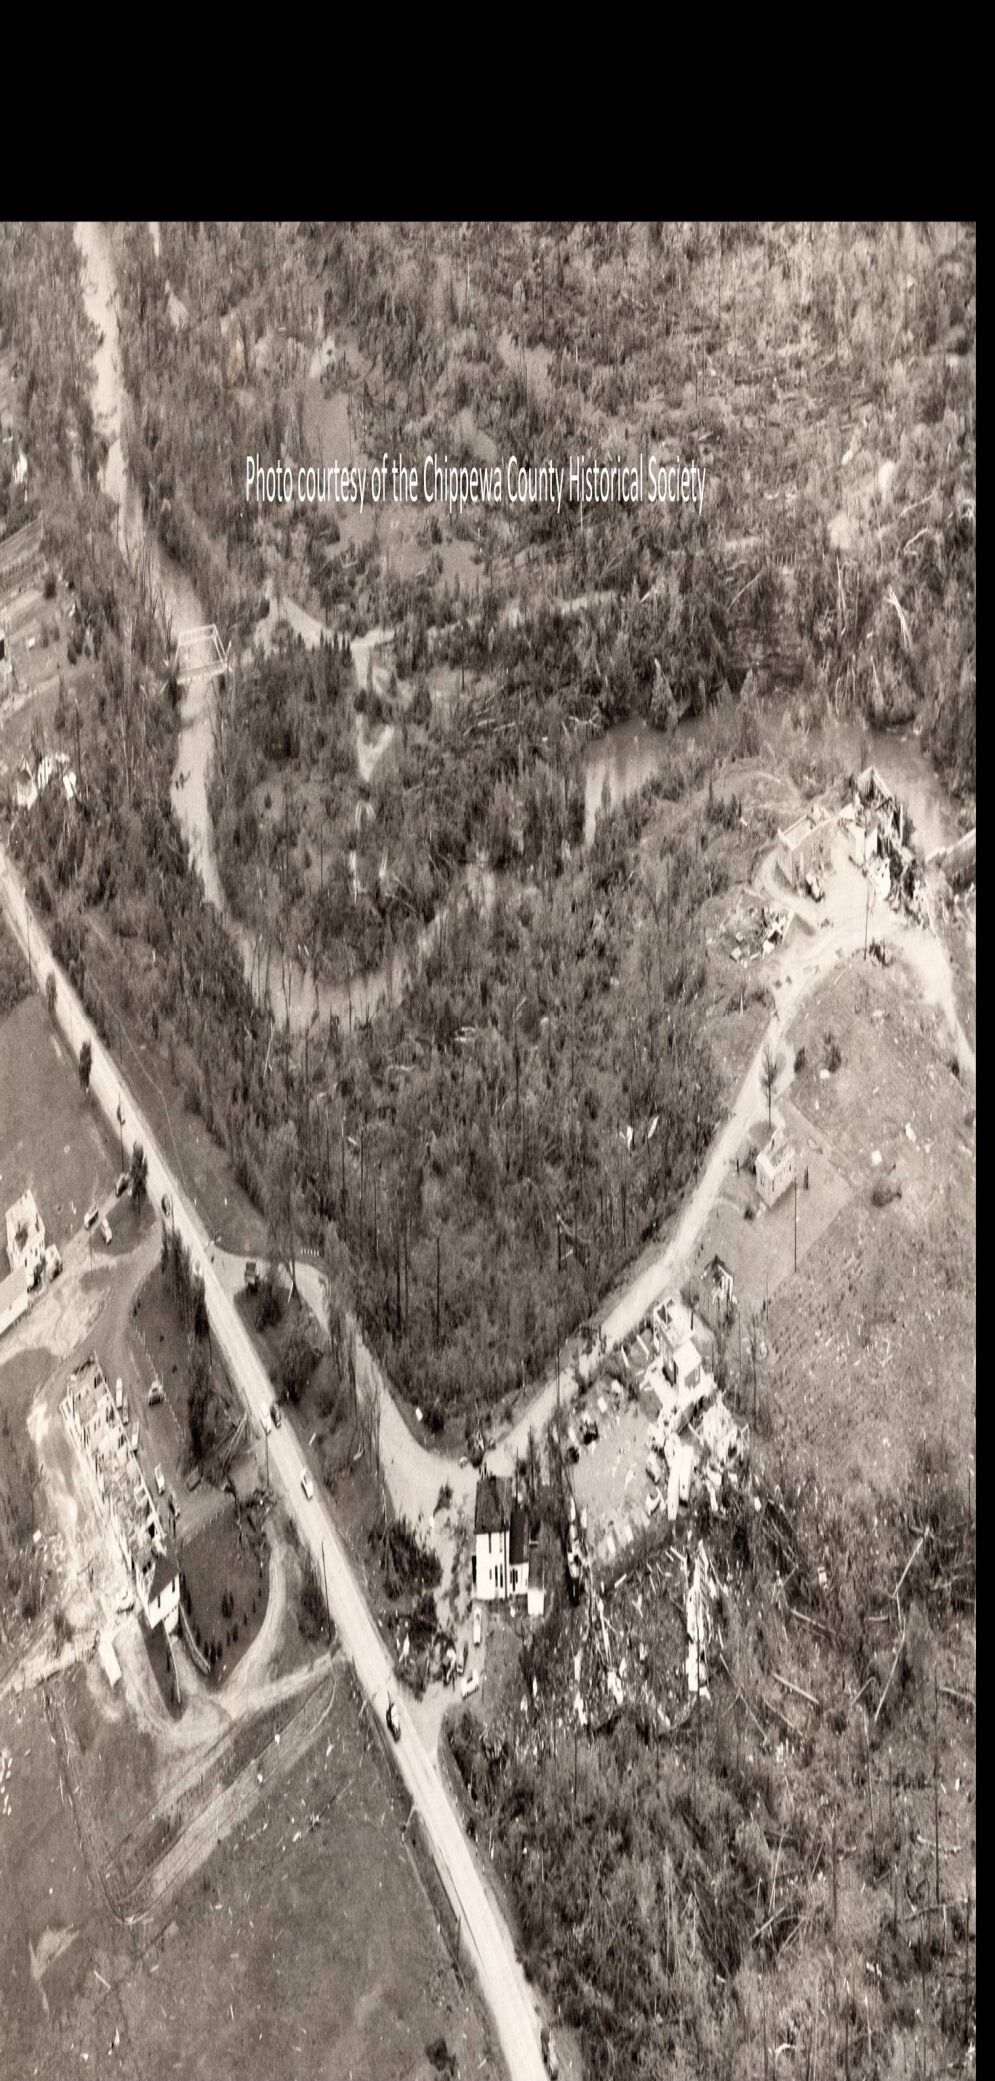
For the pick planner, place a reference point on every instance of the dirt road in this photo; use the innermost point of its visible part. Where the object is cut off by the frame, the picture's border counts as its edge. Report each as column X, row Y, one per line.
column 485, row 1937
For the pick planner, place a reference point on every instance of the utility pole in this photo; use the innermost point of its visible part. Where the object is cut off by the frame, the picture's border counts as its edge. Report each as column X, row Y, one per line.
column 438, row 1285
column 796, row 1221
column 324, row 1571
column 867, row 913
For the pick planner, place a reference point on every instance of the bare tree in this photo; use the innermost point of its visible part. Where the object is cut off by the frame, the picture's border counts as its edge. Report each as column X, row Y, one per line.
column 770, row 1064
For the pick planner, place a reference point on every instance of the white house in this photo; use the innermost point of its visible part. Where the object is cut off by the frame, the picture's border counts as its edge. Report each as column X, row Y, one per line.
column 25, row 1237
column 777, row 1167
column 501, row 1541
column 13, row 1299
column 159, row 1590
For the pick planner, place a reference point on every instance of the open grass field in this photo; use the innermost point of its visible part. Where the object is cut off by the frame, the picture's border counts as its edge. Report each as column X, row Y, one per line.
column 874, row 1342
column 51, row 1139
column 225, row 1571
column 306, row 1947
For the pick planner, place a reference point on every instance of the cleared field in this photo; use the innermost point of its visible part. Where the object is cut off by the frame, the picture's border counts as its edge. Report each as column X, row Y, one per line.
column 874, row 1342
column 51, row 1141
column 307, row 1946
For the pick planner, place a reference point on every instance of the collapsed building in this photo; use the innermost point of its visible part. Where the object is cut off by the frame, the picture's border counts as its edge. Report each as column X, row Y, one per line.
column 26, row 1238
column 877, row 830
column 805, row 849
column 98, row 1423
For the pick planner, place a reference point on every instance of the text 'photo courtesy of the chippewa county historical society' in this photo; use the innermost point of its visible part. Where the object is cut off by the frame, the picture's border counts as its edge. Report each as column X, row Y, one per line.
column 488, row 1151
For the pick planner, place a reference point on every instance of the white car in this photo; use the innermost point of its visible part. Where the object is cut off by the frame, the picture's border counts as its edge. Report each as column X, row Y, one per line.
column 478, row 1625
column 105, row 1230
column 469, row 1685
column 307, row 1484
column 92, row 1214
column 160, row 1480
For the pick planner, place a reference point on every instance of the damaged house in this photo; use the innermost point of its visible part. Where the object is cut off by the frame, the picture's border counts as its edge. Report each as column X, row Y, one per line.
column 805, row 849
column 878, row 828
column 501, row 1540
column 777, row 1167
column 97, row 1422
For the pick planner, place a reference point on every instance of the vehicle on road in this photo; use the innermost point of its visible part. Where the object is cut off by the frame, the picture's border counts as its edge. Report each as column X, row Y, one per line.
column 105, row 1230
column 307, row 1484
column 393, row 1719
column 251, row 1275
column 549, row 2055
column 160, row 1480
column 461, row 1664
column 53, row 1262
column 469, row 1685
column 276, row 1413
column 121, row 1185
column 478, row 1625
column 156, row 1393
column 92, row 1214
column 166, row 1208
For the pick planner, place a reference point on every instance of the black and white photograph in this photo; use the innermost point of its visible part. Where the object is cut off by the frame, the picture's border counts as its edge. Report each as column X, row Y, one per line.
column 488, row 1075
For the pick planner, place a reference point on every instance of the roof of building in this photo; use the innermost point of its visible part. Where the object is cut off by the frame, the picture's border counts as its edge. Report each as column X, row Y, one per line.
column 163, row 1573
column 519, row 1542
column 23, row 1210
column 492, row 1509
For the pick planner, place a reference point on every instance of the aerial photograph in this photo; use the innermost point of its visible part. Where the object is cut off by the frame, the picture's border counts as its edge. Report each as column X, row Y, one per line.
column 488, row 1151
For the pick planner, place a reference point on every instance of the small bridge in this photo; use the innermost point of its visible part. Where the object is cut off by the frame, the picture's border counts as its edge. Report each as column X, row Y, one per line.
column 200, row 654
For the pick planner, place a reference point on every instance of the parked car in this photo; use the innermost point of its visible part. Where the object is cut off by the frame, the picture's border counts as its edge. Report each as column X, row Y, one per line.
column 549, row 2056
column 92, row 1214
column 461, row 1664
column 469, row 1685
column 122, row 1184
column 165, row 1205
column 478, row 1625
column 251, row 1275
column 276, row 1413
column 589, row 1427
column 105, row 1230
column 307, row 1484
column 156, row 1393
column 160, row 1481
column 393, row 1719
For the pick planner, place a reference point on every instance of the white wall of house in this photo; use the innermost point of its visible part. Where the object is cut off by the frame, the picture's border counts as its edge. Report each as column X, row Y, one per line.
column 491, row 1565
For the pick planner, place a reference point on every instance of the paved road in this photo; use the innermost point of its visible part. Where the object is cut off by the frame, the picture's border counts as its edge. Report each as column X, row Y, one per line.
column 484, row 1938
